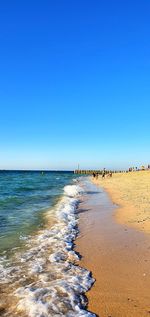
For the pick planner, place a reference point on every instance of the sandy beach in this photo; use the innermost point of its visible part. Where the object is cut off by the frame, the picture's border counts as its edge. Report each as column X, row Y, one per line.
column 117, row 255
column 131, row 192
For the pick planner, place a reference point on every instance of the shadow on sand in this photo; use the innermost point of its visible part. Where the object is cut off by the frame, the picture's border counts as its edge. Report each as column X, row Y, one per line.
column 80, row 211
column 92, row 192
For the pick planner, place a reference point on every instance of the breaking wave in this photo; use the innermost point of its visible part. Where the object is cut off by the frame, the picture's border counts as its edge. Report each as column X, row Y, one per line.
column 46, row 280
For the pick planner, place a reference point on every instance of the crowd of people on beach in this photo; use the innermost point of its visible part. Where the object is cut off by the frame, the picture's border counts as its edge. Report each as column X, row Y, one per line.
column 141, row 168
column 103, row 174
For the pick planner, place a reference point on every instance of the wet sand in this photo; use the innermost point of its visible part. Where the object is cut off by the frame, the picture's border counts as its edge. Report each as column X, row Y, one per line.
column 118, row 256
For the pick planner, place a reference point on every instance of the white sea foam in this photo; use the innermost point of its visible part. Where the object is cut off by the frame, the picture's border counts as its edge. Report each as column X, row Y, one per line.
column 73, row 190
column 51, row 283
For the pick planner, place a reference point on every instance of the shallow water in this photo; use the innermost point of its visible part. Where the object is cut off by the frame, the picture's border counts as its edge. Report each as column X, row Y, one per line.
column 24, row 198
column 39, row 275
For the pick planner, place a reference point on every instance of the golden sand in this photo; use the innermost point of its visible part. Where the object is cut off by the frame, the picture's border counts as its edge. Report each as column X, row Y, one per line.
column 117, row 255
column 131, row 192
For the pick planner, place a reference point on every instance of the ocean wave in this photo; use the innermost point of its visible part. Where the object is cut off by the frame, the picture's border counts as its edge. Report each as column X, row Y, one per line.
column 47, row 278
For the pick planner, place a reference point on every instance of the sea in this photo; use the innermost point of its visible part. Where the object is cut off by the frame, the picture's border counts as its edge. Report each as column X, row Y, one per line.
column 40, row 273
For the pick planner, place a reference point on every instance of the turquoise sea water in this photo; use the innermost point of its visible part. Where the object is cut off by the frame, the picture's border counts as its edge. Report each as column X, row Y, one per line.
column 24, row 197
column 39, row 217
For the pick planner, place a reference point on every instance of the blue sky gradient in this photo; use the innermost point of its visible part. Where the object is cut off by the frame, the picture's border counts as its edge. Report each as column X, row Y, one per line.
column 74, row 84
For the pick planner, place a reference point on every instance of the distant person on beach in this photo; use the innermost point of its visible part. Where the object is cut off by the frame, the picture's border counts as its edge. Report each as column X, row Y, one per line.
column 103, row 173
column 94, row 175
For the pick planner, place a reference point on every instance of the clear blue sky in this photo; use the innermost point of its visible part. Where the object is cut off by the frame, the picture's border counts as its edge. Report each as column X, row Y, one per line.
column 74, row 84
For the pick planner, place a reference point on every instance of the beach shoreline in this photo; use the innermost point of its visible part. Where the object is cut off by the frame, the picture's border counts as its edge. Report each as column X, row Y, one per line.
column 130, row 192
column 118, row 257
column 41, row 278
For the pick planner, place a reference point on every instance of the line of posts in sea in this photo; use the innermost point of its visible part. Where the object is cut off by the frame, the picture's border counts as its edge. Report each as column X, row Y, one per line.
column 100, row 172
